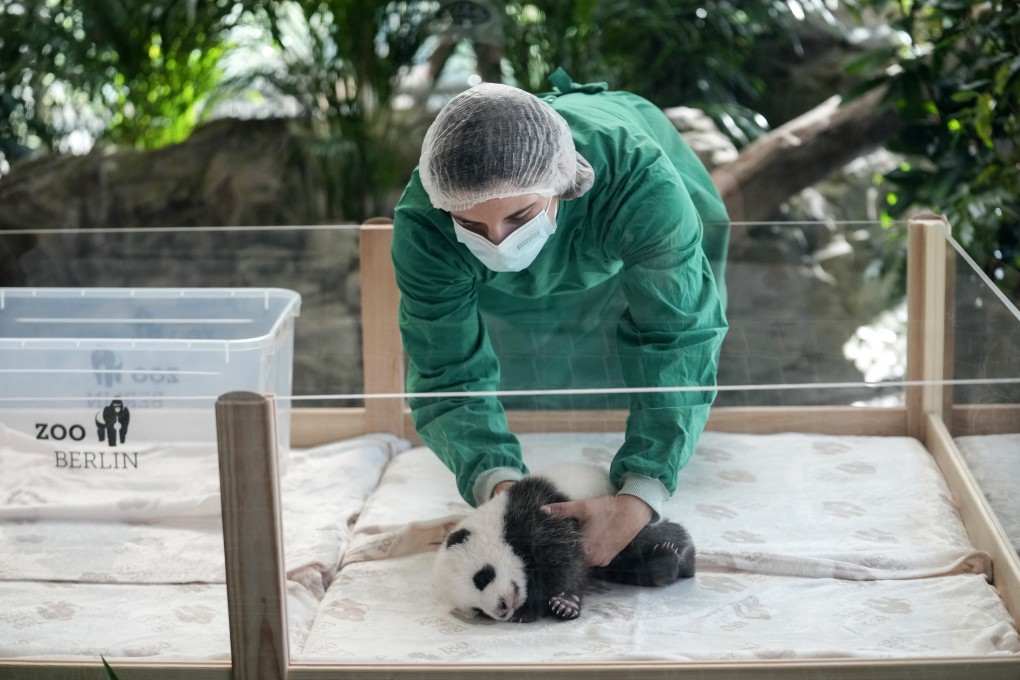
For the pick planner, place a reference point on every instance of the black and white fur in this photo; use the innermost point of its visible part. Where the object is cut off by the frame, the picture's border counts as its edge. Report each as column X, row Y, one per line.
column 511, row 562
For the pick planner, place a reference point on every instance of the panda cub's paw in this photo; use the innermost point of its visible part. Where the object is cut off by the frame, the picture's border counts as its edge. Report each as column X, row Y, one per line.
column 667, row 562
column 565, row 606
column 667, row 546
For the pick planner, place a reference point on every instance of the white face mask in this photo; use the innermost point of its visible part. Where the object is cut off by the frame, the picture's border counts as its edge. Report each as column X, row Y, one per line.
column 517, row 251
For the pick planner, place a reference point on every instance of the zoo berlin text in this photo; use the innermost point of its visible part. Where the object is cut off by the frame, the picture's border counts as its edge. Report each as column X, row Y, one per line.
column 111, row 426
column 96, row 460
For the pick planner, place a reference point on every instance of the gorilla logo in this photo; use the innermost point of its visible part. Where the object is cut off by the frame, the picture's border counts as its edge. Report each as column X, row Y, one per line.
column 112, row 422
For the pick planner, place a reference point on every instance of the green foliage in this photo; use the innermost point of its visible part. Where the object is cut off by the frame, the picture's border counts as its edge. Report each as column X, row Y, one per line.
column 339, row 61
column 136, row 73
column 955, row 79
column 145, row 73
column 34, row 44
column 672, row 52
column 163, row 101
column 337, row 58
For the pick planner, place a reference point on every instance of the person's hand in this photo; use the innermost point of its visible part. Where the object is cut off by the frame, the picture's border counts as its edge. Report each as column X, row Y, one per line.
column 608, row 523
column 501, row 487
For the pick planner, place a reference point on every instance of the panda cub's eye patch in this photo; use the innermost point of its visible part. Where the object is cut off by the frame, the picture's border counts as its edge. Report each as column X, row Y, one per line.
column 484, row 576
column 458, row 536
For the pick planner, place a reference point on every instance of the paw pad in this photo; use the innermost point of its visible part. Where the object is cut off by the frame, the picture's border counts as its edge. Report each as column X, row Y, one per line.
column 565, row 606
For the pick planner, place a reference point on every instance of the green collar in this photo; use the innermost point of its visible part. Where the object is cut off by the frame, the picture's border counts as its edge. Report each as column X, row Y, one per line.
column 563, row 84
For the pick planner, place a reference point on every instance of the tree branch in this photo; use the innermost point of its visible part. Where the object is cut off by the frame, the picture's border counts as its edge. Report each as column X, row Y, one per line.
column 802, row 152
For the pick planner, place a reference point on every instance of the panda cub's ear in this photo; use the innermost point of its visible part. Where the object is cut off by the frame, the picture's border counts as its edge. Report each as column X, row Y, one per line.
column 458, row 536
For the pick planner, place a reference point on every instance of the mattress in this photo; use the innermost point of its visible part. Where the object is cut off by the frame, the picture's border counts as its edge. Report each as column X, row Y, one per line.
column 384, row 612
column 809, row 546
column 118, row 621
column 123, row 565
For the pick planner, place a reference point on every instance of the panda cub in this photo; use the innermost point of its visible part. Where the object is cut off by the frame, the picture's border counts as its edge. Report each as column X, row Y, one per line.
column 511, row 562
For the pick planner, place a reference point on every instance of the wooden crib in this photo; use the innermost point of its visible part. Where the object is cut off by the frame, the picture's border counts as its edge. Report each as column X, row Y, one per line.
column 251, row 503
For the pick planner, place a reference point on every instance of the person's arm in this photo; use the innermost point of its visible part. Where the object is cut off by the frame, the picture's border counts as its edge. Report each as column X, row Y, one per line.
column 671, row 332
column 449, row 351
column 669, row 336
column 647, row 212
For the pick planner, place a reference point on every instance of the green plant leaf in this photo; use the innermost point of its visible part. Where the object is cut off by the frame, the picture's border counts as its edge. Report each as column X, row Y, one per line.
column 869, row 62
column 109, row 671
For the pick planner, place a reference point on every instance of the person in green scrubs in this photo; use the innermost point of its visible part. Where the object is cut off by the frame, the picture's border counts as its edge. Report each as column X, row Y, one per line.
column 566, row 241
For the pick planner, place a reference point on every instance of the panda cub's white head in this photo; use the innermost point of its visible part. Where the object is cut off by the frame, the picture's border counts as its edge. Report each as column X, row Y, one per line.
column 476, row 571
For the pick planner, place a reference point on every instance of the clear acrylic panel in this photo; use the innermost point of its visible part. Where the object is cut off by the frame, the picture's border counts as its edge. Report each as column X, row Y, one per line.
column 984, row 394
column 807, row 488
column 985, row 336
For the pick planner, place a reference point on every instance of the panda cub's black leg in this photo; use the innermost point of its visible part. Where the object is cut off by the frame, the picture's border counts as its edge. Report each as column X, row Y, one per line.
column 659, row 555
column 565, row 606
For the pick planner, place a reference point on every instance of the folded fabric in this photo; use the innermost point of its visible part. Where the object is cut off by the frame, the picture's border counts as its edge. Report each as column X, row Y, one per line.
column 323, row 492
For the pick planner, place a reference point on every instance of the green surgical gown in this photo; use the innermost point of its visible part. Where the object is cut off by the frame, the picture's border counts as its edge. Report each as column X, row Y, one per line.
column 627, row 293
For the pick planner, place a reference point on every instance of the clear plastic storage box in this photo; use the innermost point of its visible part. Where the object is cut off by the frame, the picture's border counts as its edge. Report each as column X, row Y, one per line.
column 94, row 370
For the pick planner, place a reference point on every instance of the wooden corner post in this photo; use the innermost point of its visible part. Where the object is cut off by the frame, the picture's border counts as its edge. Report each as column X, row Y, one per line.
column 930, row 321
column 380, row 333
column 252, row 536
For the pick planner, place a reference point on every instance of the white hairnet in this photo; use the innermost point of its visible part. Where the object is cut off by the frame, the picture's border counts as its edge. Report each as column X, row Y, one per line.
column 494, row 141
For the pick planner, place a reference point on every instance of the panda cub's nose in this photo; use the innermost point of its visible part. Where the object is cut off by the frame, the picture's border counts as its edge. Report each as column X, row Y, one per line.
column 508, row 604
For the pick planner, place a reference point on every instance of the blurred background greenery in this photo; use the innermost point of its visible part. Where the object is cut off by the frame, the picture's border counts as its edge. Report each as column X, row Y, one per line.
column 358, row 81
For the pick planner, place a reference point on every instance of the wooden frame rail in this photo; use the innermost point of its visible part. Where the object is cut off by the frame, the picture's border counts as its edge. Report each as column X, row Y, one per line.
column 380, row 335
column 315, row 426
column 253, row 535
column 930, row 276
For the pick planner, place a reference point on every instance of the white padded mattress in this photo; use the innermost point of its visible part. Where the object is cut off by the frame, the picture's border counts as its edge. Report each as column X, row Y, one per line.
column 808, row 546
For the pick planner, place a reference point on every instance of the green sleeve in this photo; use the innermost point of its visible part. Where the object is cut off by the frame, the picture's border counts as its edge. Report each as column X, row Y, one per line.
column 447, row 346
column 674, row 325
